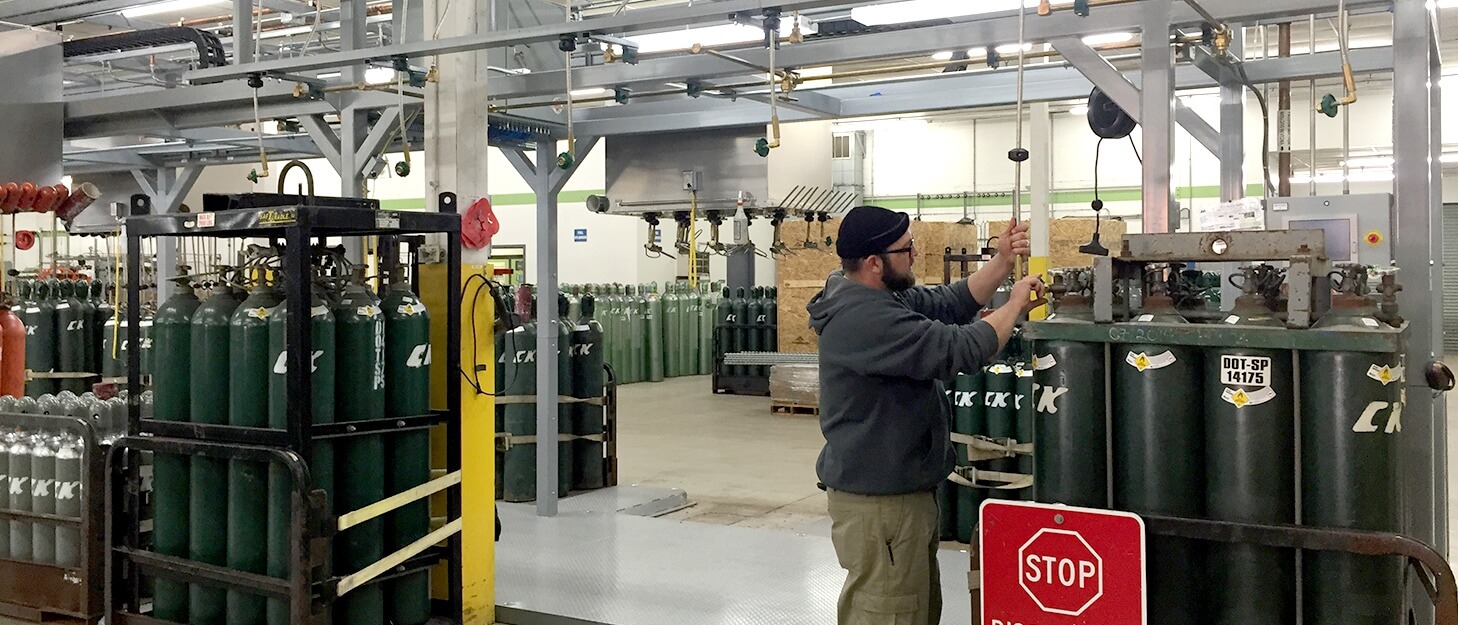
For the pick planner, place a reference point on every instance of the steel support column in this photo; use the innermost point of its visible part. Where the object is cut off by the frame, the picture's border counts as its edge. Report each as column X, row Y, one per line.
column 1417, row 246
column 167, row 188
column 1160, row 213
column 547, row 180
column 243, row 43
column 1040, row 187
column 1232, row 141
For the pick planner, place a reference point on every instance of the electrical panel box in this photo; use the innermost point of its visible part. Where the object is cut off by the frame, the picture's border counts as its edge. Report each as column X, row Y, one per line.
column 1358, row 227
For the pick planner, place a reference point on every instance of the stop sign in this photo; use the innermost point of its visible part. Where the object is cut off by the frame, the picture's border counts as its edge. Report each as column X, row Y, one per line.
column 1060, row 571
column 1055, row 565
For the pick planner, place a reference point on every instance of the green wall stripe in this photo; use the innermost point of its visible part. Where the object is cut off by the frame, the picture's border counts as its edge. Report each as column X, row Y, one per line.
column 904, row 202
column 500, row 199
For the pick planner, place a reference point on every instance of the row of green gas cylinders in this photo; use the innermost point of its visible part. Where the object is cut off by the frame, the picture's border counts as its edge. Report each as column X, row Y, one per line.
column 70, row 327
column 42, row 473
column 1211, row 433
column 222, row 361
column 683, row 332
column 580, row 375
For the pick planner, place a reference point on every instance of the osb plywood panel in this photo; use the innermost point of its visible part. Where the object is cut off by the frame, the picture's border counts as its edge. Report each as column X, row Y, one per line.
column 1066, row 235
column 802, row 274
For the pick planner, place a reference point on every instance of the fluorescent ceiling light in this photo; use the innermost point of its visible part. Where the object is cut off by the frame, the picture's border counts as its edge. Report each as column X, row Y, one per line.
column 977, row 52
column 711, row 36
column 328, row 75
column 1450, row 157
column 379, row 75
column 1079, row 109
column 924, row 10
column 1107, row 38
column 588, row 92
column 1448, row 4
column 167, row 7
column 942, row 56
column 1012, row 48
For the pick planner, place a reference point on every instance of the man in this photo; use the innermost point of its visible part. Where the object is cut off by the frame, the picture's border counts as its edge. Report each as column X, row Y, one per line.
column 885, row 348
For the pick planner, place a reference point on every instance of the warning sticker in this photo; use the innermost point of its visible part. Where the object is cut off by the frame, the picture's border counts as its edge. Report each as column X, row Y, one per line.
column 1240, row 399
column 1245, row 370
column 1142, row 361
column 1385, row 374
column 1043, row 363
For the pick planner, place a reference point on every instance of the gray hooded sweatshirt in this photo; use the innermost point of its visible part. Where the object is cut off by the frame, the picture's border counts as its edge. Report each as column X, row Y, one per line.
column 883, row 359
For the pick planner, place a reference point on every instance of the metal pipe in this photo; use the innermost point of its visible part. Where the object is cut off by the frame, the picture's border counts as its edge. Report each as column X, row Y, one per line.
column 700, row 49
column 1283, row 116
column 1311, row 111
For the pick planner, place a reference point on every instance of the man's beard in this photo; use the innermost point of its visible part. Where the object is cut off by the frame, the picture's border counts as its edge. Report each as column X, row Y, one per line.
column 897, row 283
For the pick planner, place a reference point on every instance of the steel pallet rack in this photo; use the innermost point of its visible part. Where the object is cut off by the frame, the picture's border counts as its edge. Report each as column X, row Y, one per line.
column 298, row 221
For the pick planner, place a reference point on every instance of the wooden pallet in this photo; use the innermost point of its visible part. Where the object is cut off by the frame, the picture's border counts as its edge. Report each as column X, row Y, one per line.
column 790, row 408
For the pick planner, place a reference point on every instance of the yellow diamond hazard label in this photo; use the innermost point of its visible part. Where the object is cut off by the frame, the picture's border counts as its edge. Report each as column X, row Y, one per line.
column 1240, row 398
column 1385, row 374
column 1144, row 362
column 1043, row 363
column 258, row 313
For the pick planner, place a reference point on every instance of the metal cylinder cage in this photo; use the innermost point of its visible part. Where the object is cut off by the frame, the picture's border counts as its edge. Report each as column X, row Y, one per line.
column 311, row 586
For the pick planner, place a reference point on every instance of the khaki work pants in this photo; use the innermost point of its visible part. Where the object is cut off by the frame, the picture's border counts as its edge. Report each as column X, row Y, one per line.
column 888, row 547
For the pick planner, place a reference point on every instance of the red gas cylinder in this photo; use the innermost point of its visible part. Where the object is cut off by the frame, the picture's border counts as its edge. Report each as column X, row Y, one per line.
column 12, row 354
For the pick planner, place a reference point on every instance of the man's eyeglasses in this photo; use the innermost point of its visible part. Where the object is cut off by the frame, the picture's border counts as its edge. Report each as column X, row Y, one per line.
column 910, row 247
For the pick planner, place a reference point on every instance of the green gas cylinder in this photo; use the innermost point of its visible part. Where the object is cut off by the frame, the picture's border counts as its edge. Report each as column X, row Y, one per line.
column 73, row 320
column 171, row 386
column 517, row 361
column 723, row 330
column 1069, row 440
column 769, row 326
column 708, row 307
column 360, row 396
column 691, row 306
column 209, row 370
column 101, row 313
column 1159, row 465
column 672, row 333
column 1000, row 411
column 321, row 462
column 1351, row 463
column 564, row 409
column 637, row 347
column 587, row 383
column 757, row 331
column 742, row 320
column 249, row 366
column 38, row 312
column 407, row 394
column 654, row 336
column 968, row 417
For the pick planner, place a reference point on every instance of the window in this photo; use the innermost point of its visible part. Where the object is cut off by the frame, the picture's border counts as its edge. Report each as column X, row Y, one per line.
column 840, row 146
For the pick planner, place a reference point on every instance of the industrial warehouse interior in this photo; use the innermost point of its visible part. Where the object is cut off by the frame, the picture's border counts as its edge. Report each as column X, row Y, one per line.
column 1006, row 312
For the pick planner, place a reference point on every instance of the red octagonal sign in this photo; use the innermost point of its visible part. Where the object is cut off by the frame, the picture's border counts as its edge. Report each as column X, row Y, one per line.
column 1056, row 565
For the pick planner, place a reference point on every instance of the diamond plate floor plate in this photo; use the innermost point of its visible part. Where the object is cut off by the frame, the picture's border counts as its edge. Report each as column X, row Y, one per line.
column 618, row 569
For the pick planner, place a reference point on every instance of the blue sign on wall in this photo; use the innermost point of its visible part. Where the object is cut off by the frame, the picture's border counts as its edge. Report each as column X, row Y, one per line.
column 579, row 235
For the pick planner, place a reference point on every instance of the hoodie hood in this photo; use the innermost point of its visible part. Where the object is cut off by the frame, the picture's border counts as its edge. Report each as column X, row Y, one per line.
column 840, row 293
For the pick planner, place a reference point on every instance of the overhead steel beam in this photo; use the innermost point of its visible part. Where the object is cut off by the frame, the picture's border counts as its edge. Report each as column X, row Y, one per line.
column 988, row 30
column 938, row 92
column 373, row 141
column 324, row 137
column 644, row 20
column 1101, row 73
column 809, row 102
column 168, row 110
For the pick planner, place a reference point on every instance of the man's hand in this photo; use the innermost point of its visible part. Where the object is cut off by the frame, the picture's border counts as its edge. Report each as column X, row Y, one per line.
column 1023, row 291
column 1014, row 241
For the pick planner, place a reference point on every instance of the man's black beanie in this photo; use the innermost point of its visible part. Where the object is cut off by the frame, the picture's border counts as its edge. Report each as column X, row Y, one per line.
column 869, row 230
